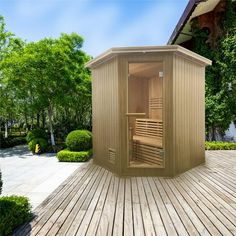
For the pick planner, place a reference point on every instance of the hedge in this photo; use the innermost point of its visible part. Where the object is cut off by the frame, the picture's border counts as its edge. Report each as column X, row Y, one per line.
column 79, row 140
column 11, row 142
column 14, row 211
column 70, row 156
column 216, row 145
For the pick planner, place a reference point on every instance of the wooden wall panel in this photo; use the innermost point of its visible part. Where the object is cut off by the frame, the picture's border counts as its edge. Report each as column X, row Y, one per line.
column 138, row 96
column 188, row 113
column 155, row 98
column 105, row 114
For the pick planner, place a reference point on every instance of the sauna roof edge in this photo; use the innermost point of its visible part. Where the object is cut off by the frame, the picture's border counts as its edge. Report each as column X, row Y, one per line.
column 107, row 55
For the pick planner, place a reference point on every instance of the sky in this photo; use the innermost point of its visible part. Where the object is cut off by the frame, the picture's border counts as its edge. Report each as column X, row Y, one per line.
column 102, row 23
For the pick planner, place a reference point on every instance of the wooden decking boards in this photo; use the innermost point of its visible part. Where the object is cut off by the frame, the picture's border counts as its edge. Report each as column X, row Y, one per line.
column 93, row 201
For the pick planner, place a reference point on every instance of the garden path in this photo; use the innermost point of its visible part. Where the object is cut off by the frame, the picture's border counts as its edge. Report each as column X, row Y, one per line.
column 34, row 176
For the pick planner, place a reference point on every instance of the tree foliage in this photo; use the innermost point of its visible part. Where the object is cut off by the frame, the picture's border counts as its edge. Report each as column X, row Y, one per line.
column 45, row 83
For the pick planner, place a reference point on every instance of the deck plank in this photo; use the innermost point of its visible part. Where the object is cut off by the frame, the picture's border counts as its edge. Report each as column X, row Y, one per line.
column 93, row 201
column 147, row 219
column 76, row 211
column 225, row 216
column 128, row 216
column 170, row 208
column 137, row 214
column 118, row 221
column 185, row 220
column 97, row 199
column 106, row 223
column 155, row 214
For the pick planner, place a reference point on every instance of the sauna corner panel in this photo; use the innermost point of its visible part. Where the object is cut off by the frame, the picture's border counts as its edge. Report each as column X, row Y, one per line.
column 105, row 115
column 189, row 113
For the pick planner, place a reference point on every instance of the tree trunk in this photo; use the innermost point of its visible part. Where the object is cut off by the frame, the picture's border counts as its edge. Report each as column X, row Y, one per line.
column 38, row 119
column 50, row 110
column 32, row 122
column 213, row 133
column 26, row 123
column 208, row 133
column 6, row 130
column 43, row 119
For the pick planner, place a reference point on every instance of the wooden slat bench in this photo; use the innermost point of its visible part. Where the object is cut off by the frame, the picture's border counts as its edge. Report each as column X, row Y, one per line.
column 147, row 141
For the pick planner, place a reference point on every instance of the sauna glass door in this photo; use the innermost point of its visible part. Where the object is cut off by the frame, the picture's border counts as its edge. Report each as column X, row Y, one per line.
column 144, row 115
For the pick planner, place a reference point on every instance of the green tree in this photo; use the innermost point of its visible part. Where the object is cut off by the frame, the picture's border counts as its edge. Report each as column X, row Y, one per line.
column 228, row 57
column 50, row 75
column 8, row 44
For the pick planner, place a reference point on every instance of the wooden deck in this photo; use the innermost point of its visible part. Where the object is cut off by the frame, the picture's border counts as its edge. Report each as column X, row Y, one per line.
column 93, row 201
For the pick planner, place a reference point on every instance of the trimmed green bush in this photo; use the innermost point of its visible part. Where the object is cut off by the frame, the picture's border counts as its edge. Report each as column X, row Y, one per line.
column 14, row 211
column 43, row 143
column 79, row 140
column 216, row 145
column 36, row 133
column 70, row 156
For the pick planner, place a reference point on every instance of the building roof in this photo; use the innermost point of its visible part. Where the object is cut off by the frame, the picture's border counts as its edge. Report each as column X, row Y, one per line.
column 145, row 49
column 182, row 31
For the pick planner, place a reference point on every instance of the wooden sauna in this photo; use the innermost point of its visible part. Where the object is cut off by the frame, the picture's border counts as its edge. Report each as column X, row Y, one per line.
column 148, row 110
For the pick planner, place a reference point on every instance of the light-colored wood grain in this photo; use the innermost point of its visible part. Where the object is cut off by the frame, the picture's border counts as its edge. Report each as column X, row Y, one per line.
column 189, row 114
column 165, row 83
column 91, row 209
column 105, row 109
column 136, row 205
column 94, row 201
column 128, row 215
column 119, row 215
column 75, row 205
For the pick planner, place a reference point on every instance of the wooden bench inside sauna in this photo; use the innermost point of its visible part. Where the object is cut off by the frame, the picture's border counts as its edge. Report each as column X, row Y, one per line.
column 147, row 141
column 145, row 121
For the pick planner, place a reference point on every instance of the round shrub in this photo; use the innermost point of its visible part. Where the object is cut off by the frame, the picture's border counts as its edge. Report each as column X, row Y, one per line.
column 36, row 133
column 79, row 140
column 42, row 143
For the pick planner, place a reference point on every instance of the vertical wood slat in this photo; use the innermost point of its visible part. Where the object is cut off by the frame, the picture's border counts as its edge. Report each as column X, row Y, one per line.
column 189, row 117
column 182, row 112
column 105, row 114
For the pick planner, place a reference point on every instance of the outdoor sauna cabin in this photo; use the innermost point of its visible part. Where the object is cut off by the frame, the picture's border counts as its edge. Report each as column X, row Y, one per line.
column 148, row 110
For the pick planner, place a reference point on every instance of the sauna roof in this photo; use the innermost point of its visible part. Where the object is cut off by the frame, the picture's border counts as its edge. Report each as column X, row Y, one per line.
column 145, row 49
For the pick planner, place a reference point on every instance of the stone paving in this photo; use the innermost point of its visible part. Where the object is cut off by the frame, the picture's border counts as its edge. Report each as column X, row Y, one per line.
column 34, row 176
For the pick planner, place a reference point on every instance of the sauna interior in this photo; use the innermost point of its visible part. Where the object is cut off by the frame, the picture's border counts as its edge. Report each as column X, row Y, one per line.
column 145, row 115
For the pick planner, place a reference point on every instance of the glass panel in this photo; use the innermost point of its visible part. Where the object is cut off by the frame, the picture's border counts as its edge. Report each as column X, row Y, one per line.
column 145, row 105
